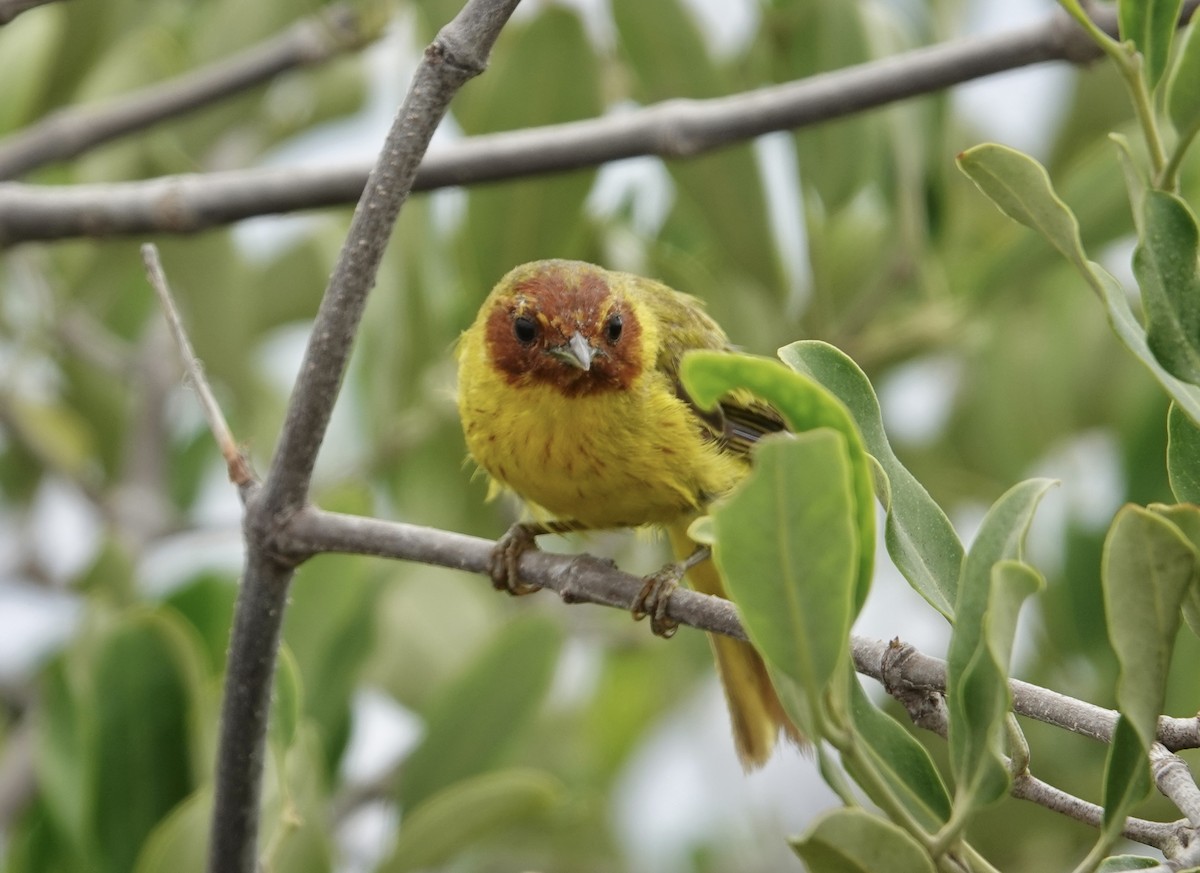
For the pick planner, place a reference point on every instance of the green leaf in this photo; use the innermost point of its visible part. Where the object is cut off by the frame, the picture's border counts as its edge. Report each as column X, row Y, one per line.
column 1183, row 455
column 1186, row 519
column 805, row 405
column 478, row 715
column 1119, row 863
column 145, row 677
column 1165, row 263
column 664, row 52
column 1146, row 569
column 287, row 699
column 1130, row 332
column 1126, row 778
column 469, row 812
column 919, row 537
column 992, row 587
column 1021, row 188
column 1183, row 86
column 788, row 550
column 1151, row 25
column 855, row 841
column 179, row 844
column 523, row 220
column 902, row 762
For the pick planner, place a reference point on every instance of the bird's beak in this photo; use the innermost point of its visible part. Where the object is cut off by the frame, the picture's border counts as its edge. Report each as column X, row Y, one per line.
column 577, row 352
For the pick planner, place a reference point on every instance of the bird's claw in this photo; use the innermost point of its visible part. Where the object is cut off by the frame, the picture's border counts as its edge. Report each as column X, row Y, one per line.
column 502, row 565
column 655, row 597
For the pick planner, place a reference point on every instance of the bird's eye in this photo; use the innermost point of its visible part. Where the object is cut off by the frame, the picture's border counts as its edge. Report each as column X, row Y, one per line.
column 612, row 330
column 525, row 329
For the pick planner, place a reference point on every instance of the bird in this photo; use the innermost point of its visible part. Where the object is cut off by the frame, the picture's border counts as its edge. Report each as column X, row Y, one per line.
column 569, row 395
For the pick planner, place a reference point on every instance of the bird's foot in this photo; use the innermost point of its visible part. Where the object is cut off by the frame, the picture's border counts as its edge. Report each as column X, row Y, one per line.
column 655, row 595
column 502, row 565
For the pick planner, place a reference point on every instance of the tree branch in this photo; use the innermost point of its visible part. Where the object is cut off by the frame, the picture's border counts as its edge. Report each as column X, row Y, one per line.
column 458, row 53
column 70, row 132
column 672, row 129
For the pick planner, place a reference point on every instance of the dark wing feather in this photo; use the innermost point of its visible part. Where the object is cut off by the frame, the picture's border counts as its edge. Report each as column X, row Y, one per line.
column 740, row 418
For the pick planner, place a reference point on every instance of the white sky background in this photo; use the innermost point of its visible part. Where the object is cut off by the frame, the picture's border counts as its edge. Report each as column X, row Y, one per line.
column 685, row 786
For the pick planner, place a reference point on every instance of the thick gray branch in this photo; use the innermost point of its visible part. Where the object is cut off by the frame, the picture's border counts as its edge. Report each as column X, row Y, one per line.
column 72, row 131
column 676, row 128
column 459, row 52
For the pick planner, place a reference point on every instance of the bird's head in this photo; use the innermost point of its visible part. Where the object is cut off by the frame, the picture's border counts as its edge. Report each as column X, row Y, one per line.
column 564, row 323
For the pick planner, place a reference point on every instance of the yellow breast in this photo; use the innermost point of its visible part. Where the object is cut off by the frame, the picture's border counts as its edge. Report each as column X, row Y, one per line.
column 609, row 459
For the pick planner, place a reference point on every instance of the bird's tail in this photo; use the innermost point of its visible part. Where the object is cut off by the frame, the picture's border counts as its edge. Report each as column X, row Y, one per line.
column 755, row 713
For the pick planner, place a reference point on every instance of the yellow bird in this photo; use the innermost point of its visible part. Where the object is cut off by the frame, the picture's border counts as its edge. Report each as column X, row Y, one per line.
column 569, row 394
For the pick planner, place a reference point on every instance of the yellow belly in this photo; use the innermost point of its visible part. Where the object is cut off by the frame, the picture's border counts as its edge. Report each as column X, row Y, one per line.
column 611, row 459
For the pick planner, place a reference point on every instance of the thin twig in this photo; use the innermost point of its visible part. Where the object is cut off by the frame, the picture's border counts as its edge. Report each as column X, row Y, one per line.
column 673, row 129
column 10, row 9
column 458, row 53
column 72, row 131
column 239, row 468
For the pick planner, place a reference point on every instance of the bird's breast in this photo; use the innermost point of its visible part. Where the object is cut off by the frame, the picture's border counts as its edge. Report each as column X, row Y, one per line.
column 606, row 460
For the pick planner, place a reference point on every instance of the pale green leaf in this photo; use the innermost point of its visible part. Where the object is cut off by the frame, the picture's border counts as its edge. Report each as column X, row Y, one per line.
column 902, row 762
column 1183, row 86
column 478, row 715
column 919, row 537
column 992, row 586
column 466, row 813
column 805, row 405
column 1151, row 25
column 1165, row 263
column 1021, row 188
column 1186, row 517
column 855, row 841
column 1146, row 569
column 787, row 548
column 1126, row 778
column 1183, row 455
column 1120, row 863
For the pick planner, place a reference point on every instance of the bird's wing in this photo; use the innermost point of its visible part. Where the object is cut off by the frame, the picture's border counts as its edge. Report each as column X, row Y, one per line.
column 740, row 419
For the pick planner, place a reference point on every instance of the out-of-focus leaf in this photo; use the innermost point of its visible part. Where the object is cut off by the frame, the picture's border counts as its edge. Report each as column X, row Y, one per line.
column 145, row 682
column 466, row 813
column 796, row 602
column 477, row 716
column 329, row 628
column 1151, row 25
column 855, row 841
column 28, row 49
column 1183, row 87
column 992, row 587
column 294, row 835
column 1165, row 263
column 918, row 535
column 514, row 222
column 805, row 405
column 62, row 438
column 179, row 844
column 723, row 193
column 206, row 603
column 901, row 760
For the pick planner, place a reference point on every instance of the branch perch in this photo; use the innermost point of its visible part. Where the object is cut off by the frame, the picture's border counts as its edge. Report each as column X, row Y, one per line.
column 72, row 131
column 672, row 129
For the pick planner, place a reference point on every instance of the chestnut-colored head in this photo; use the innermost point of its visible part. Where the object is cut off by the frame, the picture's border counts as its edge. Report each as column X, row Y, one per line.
column 566, row 324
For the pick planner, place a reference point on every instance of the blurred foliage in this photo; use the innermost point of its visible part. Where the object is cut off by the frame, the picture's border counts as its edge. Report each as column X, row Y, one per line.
column 529, row 706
